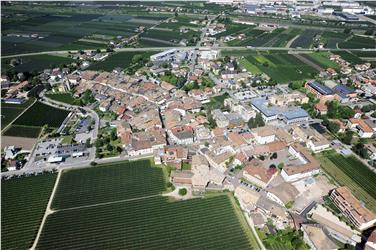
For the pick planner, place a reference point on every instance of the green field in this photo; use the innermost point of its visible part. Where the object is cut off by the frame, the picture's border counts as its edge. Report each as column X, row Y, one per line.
column 122, row 60
column 37, row 63
column 23, row 202
column 280, row 66
column 22, row 131
column 305, row 39
column 10, row 111
column 120, row 205
column 358, row 42
column 64, row 97
column 41, row 114
column 322, row 59
column 349, row 57
column 61, row 27
column 350, row 172
column 108, row 183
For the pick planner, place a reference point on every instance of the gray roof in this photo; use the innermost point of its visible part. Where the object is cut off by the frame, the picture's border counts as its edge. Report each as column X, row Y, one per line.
column 290, row 112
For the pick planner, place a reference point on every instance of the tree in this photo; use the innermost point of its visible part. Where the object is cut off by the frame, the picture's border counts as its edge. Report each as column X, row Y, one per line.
column 182, row 191
column 137, row 58
column 109, row 147
column 99, row 143
column 361, row 150
column 347, row 31
column 347, row 137
column 256, row 122
column 274, row 156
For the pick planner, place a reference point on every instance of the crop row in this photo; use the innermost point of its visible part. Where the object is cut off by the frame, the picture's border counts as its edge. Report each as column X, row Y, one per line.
column 108, row 183
column 152, row 223
column 22, row 131
column 23, row 202
column 360, row 173
column 343, row 179
column 41, row 114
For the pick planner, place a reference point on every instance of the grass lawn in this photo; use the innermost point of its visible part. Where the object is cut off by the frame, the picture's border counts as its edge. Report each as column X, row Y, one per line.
column 23, row 202
column 350, row 172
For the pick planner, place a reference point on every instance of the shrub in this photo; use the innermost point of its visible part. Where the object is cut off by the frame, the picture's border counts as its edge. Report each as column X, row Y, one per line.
column 182, row 191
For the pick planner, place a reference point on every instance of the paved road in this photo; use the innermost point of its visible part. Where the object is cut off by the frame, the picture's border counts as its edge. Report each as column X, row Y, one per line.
column 183, row 48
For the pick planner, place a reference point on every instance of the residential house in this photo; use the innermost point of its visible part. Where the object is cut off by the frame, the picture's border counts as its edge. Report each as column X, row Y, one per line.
column 316, row 239
column 258, row 174
column 352, row 209
column 182, row 135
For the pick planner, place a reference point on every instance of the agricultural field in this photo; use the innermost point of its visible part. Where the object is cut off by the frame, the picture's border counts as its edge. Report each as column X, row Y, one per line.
column 331, row 39
column 358, row 42
column 80, row 187
column 36, row 63
column 322, row 59
column 171, row 33
column 41, row 114
column 23, row 202
column 280, row 66
column 349, row 57
column 9, row 112
column 352, row 173
column 22, row 131
column 305, row 40
column 123, row 60
column 109, row 206
column 44, row 28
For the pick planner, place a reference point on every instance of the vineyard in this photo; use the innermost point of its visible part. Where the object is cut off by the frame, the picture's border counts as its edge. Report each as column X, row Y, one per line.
column 150, row 223
column 110, row 182
column 41, row 114
column 22, row 131
column 10, row 111
column 120, row 206
column 24, row 201
column 352, row 173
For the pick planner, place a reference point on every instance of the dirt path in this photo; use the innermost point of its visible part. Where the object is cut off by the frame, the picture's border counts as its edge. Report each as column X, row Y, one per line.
column 10, row 124
column 291, row 41
column 108, row 203
column 48, row 211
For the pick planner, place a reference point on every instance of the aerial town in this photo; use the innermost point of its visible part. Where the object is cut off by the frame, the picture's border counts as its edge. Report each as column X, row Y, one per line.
column 225, row 124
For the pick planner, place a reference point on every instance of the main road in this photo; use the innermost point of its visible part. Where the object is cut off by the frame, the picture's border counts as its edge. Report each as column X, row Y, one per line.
column 183, row 48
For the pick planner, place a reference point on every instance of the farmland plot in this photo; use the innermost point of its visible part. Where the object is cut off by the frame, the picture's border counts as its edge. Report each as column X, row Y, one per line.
column 305, row 39
column 41, row 114
column 120, row 205
column 10, row 111
column 349, row 57
column 22, row 131
column 352, row 173
column 23, row 202
column 358, row 42
column 281, row 67
column 108, row 183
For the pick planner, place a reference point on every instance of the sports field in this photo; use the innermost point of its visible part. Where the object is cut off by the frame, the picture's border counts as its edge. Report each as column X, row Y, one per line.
column 350, row 172
column 120, row 205
column 23, row 202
